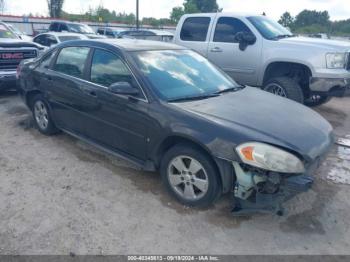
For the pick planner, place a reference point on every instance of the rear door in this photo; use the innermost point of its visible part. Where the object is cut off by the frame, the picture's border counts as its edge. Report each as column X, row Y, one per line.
column 195, row 32
column 71, row 101
column 224, row 50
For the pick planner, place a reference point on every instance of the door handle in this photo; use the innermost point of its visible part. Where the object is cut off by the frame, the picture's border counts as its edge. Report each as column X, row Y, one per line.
column 88, row 91
column 216, row 50
column 92, row 93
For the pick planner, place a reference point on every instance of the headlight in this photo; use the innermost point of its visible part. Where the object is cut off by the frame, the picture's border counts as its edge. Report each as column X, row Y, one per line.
column 336, row 60
column 269, row 158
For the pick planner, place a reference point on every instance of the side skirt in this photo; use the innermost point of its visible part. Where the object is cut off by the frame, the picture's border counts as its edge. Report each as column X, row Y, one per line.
column 140, row 164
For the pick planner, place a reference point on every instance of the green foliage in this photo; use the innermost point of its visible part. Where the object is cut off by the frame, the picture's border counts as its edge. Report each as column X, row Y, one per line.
column 194, row 6
column 312, row 17
column 55, row 8
column 286, row 20
column 176, row 14
column 311, row 21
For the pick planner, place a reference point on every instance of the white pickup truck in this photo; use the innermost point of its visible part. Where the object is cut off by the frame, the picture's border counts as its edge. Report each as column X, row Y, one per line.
column 257, row 51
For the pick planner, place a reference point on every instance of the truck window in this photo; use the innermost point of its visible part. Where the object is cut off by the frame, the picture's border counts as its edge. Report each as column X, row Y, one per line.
column 195, row 29
column 227, row 28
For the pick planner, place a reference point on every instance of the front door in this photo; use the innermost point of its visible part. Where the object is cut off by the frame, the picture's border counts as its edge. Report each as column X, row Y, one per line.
column 223, row 50
column 122, row 121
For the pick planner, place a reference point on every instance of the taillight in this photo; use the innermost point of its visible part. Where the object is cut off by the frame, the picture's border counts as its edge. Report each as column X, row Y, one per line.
column 18, row 71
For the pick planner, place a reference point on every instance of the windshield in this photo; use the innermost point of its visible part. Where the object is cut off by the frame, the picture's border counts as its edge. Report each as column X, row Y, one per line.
column 268, row 28
column 6, row 33
column 181, row 74
column 80, row 28
column 15, row 30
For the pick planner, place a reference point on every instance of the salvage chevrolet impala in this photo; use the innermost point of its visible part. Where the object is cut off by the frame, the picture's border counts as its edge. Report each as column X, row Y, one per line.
column 167, row 108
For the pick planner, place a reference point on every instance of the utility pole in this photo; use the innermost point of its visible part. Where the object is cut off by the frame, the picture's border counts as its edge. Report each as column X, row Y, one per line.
column 137, row 15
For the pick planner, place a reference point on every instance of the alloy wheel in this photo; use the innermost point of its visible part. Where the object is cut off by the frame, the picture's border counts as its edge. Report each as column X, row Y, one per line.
column 188, row 178
column 41, row 115
column 276, row 89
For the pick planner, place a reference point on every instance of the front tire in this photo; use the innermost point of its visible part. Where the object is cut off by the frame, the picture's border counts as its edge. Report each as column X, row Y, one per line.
column 285, row 87
column 317, row 100
column 42, row 116
column 190, row 176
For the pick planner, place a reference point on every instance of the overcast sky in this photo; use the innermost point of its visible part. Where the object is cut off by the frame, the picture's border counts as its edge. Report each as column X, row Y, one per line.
column 338, row 9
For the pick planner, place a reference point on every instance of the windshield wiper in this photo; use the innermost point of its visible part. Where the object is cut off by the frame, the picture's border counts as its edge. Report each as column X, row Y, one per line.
column 190, row 98
column 282, row 36
column 230, row 89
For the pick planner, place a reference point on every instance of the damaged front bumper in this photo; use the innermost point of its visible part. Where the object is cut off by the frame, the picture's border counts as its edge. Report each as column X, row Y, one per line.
column 338, row 87
column 265, row 192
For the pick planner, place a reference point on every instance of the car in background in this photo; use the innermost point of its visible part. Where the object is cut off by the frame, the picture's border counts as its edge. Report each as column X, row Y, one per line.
column 143, row 34
column 109, row 32
column 167, row 108
column 72, row 27
column 53, row 38
column 319, row 36
column 257, row 51
column 13, row 50
column 19, row 33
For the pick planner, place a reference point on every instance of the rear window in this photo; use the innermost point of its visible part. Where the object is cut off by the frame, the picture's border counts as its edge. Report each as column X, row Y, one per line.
column 195, row 29
column 71, row 61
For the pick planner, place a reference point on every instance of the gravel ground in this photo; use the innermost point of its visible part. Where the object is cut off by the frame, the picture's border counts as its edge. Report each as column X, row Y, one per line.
column 59, row 195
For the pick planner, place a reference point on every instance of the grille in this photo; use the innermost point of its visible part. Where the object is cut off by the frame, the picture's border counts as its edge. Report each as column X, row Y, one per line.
column 10, row 59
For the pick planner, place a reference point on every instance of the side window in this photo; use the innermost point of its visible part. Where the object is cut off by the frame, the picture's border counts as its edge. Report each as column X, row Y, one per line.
column 51, row 40
column 64, row 27
column 71, row 61
column 46, row 60
column 101, row 31
column 107, row 68
column 195, row 29
column 54, row 27
column 227, row 28
column 40, row 39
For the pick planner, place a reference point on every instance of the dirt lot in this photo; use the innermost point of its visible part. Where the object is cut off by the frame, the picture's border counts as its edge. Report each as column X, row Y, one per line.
column 59, row 195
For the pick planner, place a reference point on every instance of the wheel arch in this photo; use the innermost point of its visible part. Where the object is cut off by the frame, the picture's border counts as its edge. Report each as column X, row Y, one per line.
column 294, row 69
column 29, row 95
column 223, row 167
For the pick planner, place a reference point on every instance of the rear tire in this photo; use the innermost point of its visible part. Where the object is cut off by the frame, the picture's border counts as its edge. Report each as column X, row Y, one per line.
column 285, row 87
column 190, row 176
column 42, row 116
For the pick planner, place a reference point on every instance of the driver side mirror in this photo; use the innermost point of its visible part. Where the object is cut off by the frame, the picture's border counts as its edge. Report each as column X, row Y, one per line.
column 245, row 39
column 123, row 88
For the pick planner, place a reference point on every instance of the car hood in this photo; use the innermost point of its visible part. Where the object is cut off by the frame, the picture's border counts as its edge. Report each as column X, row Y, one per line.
column 263, row 117
column 18, row 43
column 318, row 43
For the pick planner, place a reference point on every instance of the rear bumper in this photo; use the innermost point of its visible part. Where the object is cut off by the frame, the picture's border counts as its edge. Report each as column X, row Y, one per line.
column 338, row 87
column 7, row 80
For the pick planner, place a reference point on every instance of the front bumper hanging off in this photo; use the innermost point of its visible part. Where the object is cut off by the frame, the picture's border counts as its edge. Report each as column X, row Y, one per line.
column 273, row 203
column 265, row 193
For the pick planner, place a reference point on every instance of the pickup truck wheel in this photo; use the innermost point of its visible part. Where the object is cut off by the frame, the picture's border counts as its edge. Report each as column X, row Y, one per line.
column 317, row 100
column 285, row 87
column 42, row 116
column 190, row 176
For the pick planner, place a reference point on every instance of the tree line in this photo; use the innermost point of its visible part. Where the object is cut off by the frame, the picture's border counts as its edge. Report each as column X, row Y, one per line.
column 312, row 21
column 306, row 22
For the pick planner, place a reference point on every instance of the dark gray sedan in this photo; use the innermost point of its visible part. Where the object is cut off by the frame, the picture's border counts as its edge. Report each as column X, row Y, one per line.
column 167, row 108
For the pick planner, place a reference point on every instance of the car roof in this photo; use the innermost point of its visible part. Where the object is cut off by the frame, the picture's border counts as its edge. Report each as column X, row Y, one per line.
column 61, row 34
column 133, row 44
column 229, row 14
